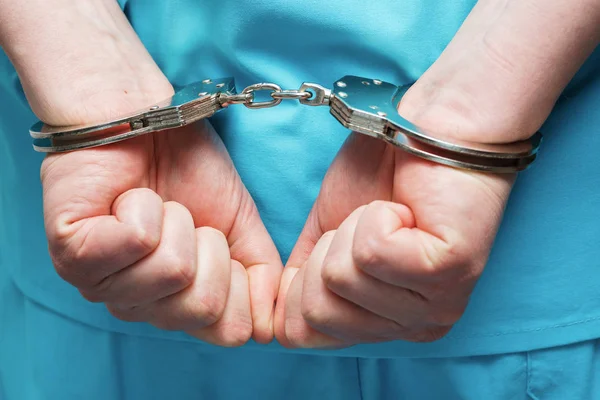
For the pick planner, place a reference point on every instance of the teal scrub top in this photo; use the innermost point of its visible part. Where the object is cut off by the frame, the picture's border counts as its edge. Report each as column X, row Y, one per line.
column 541, row 286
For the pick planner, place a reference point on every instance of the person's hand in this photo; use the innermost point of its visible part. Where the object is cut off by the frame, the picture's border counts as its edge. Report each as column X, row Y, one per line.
column 162, row 230
column 390, row 251
column 394, row 244
column 159, row 228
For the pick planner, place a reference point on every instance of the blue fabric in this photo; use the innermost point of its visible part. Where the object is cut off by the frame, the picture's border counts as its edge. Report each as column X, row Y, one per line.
column 540, row 288
column 45, row 356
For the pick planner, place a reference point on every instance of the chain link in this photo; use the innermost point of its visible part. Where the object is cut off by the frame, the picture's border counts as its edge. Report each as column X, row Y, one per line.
column 291, row 95
column 310, row 94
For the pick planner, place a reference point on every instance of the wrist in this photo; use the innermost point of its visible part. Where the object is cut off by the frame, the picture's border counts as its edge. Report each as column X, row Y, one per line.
column 499, row 78
column 475, row 96
column 463, row 112
column 86, row 65
column 98, row 97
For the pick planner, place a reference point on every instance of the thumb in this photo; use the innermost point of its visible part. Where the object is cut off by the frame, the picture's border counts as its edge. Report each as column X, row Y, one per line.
column 362, row 171
column 310, row 235
column 201, row 176
column 95, row 224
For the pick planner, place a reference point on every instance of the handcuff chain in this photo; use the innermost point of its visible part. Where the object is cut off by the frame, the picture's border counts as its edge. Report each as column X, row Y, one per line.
column 310, row 94
column 366, row 106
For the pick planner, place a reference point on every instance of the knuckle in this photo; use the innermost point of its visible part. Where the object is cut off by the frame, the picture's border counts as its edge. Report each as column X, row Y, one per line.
column 125, row 314
column 435, row 291
column 200, row 313
column 235, row 334
column 209, row 308
column 238, row 336
column 168, row 324
column 333, row 274
column 445, row 318
column 69, row 267
column 92, row 296
column 61, row 230
column 179, row 272
column 144, row 241
column 436, row 258
column 296, row 334
column 98, row 293
column 62, row 269
column 428, row 335
column 457, row 256
column 171, row 323
column 315, row 316
column 296, row 339
column 366, row 253
column 444, row 260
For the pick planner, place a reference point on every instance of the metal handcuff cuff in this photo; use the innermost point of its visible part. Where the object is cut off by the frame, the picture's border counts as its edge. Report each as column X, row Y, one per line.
column 367, row 106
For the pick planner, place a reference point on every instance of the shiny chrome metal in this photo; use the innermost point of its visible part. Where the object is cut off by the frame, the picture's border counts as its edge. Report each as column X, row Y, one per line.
column 367, row 106
column 189, row 104
column 227, row 99
column 309, row 94
column 258, row 87
column 291, row 95
column 320, row 97
column 371, row 107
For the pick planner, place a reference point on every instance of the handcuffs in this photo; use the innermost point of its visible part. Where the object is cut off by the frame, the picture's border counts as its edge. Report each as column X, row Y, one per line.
column 367, row 106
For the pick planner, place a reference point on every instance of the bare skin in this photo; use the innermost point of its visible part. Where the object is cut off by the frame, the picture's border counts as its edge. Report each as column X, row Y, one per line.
column 393, row 250
column 160, row 228
column 390, row 251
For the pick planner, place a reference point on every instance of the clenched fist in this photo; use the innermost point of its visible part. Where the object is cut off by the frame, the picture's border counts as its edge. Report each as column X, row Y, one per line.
column 162, row 230
column 394, row 244
column 391, row 249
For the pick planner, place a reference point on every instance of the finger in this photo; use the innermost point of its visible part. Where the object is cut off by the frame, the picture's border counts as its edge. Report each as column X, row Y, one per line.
column 342, row 277
column 298, row 333
column 279, row 319
column 167, row 270
column 331, row 314
column 229, row 209
column 252, row 246
column 309, row 236
column 203, row 302
column 389, row 247
column 361, row 172
column 234, row 328
column 88, row 250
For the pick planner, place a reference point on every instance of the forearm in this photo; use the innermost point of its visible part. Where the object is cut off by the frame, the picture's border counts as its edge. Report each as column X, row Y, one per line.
column 78, row 61
column 499, row 78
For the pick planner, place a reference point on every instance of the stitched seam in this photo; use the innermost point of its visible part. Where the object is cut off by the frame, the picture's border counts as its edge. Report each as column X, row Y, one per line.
column 566, row 325
column 529, row 392
column 76, row 319
column 359, row 378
